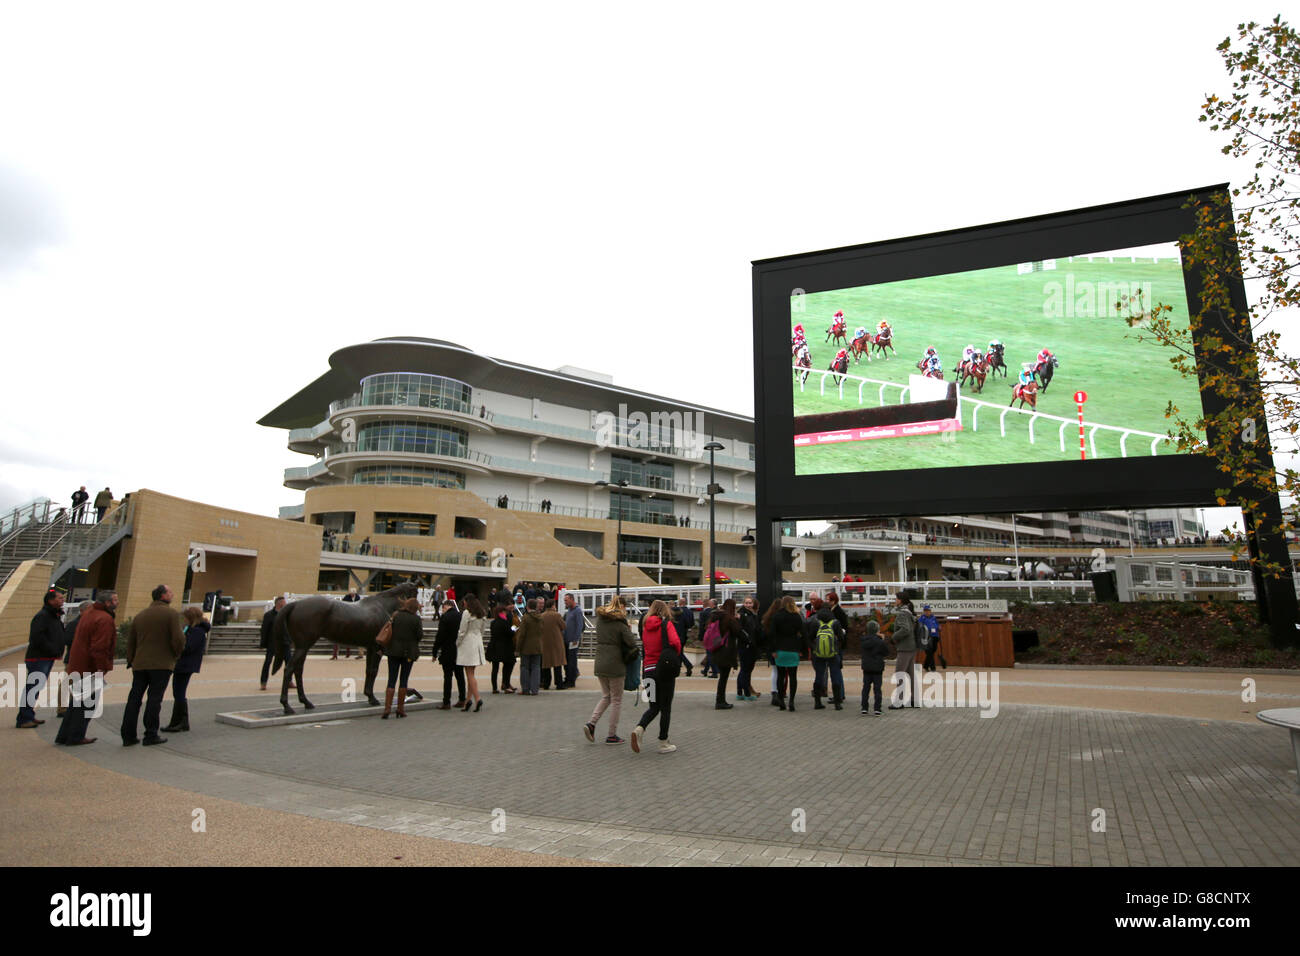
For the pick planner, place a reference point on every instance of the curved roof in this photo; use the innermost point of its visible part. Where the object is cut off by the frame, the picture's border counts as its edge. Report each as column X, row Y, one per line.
column 410, row 353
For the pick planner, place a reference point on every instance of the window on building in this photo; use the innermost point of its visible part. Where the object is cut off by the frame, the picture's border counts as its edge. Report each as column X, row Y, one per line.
column 408, row 475
column 646, row 474
column 473, row 528
column 424, row 438
column 416, row 390
column 393, row 522
column 340, row 522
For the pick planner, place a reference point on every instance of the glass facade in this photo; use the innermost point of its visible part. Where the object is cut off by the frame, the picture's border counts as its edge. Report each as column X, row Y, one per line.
column 646, row 474
column 415, row 389
column 422, row 437
column 408, row 475
column 636, row 508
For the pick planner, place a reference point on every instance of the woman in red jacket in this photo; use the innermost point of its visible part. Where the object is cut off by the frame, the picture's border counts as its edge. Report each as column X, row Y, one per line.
column 654, row 628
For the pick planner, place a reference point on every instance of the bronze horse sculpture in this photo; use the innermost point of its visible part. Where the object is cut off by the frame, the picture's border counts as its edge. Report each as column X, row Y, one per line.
column 305, row 622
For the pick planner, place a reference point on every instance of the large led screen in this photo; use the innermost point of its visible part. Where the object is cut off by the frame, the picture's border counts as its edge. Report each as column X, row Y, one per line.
column 1036, row 361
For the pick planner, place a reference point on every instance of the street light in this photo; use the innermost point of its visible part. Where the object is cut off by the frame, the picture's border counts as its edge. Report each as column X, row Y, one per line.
column 618, row 535
column 714, row 490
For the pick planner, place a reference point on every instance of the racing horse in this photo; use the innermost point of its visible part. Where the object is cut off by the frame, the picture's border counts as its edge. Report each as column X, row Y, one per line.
column 975, row 370
column 839, row 365
column 995, row 359
column 1025, row 393
column 838, row 331
column 860, row 347
column 804, row 361
column 928, row 374
column 882, row 341
column 1045, row 370
column 310, row 619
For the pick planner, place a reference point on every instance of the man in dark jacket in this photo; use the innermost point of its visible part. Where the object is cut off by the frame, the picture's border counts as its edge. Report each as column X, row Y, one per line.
column 90, row 658
column 45, row 640
column 444, row 647
column 684, row 622
column 874, row 652
column 153, row 642
column 268, row 639
column 826, row 635
column 79, row 499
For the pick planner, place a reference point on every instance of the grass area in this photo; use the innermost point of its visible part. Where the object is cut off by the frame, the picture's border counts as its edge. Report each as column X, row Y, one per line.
column 1069, row 310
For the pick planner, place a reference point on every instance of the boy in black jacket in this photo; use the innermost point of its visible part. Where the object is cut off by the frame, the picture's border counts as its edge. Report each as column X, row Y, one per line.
column 874, row 652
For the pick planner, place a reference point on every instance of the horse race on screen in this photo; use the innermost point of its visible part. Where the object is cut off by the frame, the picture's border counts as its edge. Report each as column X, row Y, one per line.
column 1029, row 362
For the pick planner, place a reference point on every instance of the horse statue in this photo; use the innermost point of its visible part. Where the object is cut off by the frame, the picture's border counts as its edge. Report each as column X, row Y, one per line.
column 1044, row 371
column 882, row 341
column 995, row 359
column 841, row 367
column 804, row 361
column 316, row 618
column 1025, row 393
column 975, row 370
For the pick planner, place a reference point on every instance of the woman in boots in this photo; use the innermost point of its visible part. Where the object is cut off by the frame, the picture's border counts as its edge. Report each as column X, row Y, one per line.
column 501, row 646
column 402, row 652
column 784, row 625
column 196, row 641
column 474, row 630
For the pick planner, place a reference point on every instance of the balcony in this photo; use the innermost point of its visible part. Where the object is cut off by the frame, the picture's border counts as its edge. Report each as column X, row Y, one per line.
column 592, row 436
column 313, row 476
column 310, row 441
column 342, row 459
column 471, row 417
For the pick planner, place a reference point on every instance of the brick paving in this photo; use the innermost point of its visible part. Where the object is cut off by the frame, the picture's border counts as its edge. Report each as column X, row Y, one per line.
column 918, row 787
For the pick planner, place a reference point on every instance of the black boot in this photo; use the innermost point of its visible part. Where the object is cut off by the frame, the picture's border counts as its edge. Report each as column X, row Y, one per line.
column 180, row 717
column 817, row 703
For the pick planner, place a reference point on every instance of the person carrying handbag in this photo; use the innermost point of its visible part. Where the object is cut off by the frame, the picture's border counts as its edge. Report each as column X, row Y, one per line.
column 615, row 649
column 663, row 663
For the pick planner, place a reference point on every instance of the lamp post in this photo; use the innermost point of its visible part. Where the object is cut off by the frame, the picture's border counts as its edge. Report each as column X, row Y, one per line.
column 714, row 490
column 618, row 534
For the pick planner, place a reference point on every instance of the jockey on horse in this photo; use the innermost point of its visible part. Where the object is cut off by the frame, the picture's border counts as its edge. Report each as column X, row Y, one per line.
column 1045, row 366
column 798, row 340
column 839, row 364
column 930, row 365
column 967, row 358
column 803, row 359
column 837, row 328
column 1025, row 389
column 994, row 358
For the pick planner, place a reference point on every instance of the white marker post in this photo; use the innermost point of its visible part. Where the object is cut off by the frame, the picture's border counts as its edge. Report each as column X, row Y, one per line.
column 1080, row 397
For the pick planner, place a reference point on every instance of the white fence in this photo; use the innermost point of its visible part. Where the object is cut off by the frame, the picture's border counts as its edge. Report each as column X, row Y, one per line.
column 1001, row 410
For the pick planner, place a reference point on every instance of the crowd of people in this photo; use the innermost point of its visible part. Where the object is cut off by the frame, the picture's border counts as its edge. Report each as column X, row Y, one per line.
column 522, row 627
column 162, row 646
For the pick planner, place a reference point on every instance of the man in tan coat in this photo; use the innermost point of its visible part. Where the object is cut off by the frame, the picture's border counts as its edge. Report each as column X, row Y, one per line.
column 553, row 653
column 153, row 642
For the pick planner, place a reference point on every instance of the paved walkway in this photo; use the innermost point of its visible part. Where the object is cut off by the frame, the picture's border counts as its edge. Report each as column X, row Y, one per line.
column 748, row 786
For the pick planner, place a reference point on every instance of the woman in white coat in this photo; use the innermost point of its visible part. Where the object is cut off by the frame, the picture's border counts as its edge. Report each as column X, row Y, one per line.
column 474, row 630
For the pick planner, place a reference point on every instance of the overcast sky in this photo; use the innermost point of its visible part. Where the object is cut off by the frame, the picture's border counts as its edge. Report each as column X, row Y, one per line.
column 199, row 202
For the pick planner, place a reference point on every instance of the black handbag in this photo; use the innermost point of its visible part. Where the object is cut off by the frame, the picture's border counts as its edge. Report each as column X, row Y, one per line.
column 670, row 662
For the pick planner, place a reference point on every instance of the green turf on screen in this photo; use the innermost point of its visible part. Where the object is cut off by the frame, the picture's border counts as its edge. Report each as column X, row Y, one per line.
column 1128, row 382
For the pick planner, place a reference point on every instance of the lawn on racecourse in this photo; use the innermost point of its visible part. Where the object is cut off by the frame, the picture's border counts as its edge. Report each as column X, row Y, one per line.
column 1070, row 310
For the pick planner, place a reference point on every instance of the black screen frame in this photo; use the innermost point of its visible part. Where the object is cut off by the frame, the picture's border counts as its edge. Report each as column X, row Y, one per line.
column 1184, row 480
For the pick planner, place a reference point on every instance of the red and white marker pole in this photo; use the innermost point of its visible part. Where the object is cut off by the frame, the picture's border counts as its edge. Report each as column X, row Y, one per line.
column 1080, row 397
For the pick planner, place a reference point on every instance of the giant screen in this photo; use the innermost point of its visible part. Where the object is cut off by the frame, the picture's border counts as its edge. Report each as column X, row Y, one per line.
column 997, row 368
